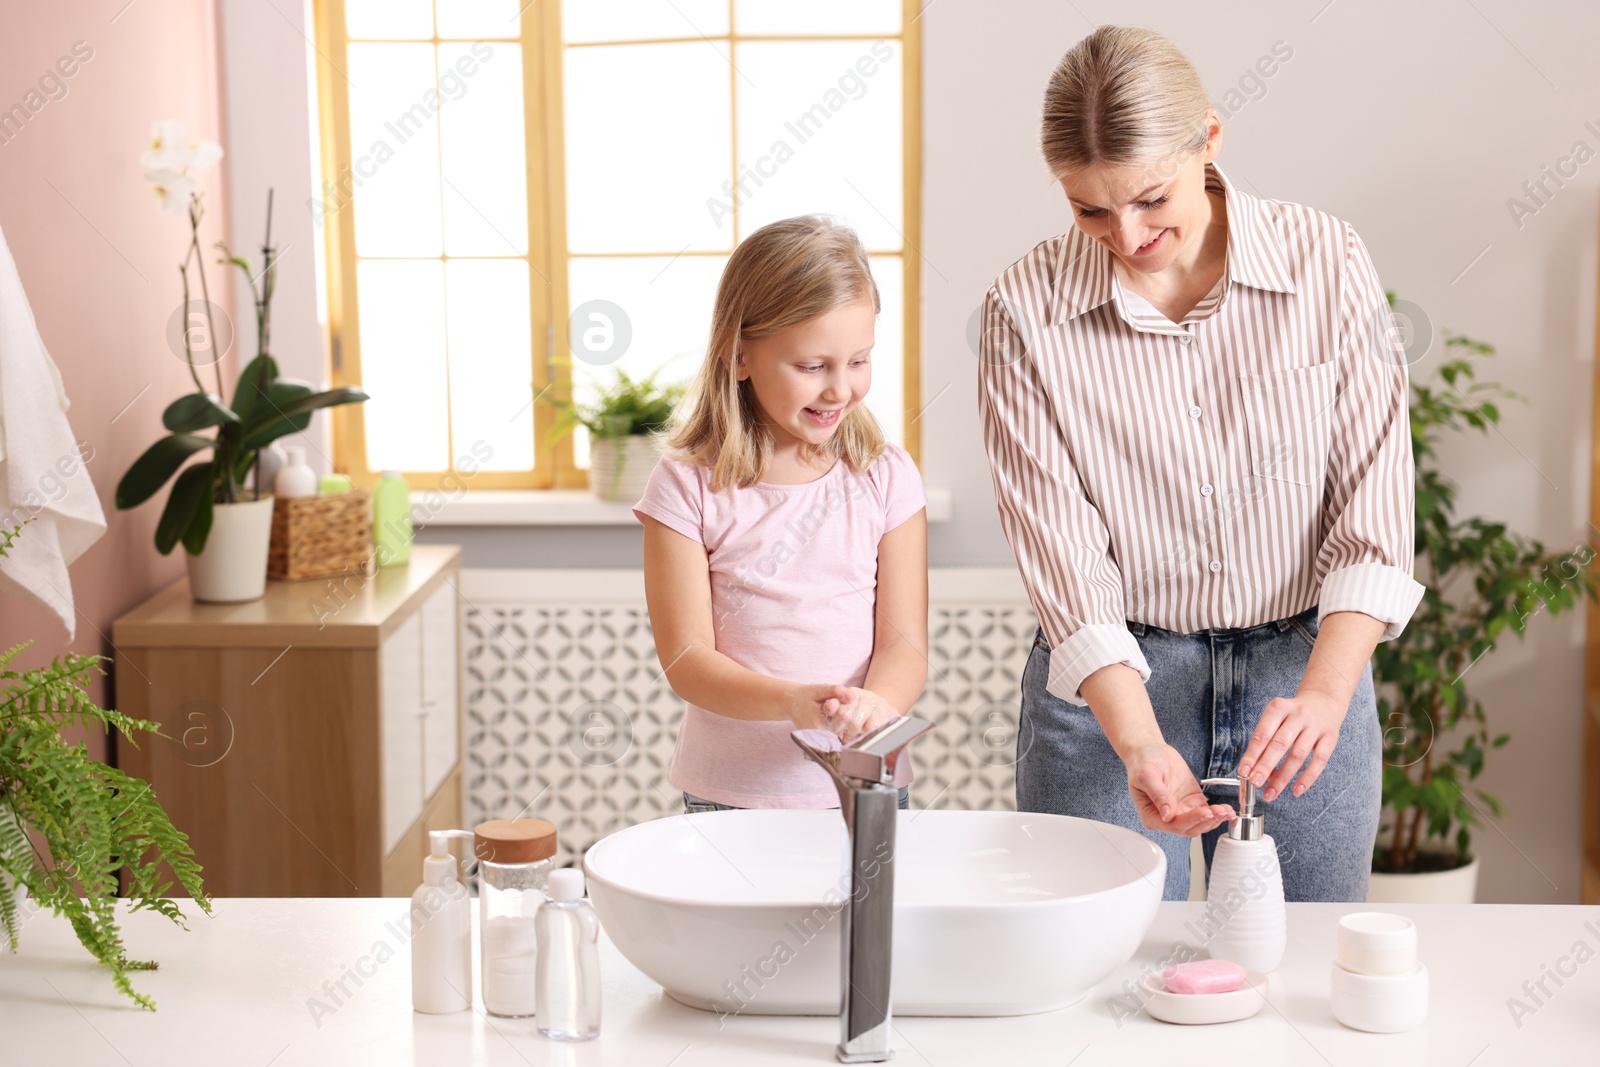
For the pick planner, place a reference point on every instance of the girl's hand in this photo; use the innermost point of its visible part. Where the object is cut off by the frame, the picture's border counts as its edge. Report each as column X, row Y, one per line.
column 1167, row 795
column 1306, row 724
column 809, row 707
column 860, row 712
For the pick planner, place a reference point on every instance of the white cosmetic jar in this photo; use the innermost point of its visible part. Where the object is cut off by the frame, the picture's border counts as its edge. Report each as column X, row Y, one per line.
column 1377, row 943
column 1380, row 1004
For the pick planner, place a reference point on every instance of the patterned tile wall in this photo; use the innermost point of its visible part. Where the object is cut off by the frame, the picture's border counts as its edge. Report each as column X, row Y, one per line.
column 569, row 718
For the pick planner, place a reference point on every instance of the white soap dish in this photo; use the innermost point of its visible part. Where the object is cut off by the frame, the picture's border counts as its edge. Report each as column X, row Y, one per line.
column 1192, row 1009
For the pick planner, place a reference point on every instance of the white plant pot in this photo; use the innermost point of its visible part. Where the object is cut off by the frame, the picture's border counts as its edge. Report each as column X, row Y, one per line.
column 233, row 566
column 619, row 467
column 1458, row 886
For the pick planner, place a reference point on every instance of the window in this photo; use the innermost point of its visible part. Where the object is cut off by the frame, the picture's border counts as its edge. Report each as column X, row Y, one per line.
column 518, row 201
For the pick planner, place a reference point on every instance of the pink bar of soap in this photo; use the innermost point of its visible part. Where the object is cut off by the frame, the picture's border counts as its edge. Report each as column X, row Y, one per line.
column 1204, row 976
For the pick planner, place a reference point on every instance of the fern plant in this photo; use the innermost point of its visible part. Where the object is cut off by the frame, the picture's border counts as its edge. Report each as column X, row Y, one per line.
column 93, row 819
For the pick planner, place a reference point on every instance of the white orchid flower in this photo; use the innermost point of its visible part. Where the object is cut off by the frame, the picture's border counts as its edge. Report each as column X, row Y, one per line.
column 203, row 156
column 173, row 189
column 169, row 147
column 172, row 149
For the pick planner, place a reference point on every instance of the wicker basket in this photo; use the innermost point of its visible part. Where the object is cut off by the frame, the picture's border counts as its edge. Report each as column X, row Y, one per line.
column 316, row 536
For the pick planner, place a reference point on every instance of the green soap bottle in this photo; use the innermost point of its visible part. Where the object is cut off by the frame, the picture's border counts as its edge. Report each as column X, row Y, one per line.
column 391, row 519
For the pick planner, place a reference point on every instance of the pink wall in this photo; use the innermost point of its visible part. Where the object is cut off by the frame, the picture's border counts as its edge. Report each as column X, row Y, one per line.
column 99, row 260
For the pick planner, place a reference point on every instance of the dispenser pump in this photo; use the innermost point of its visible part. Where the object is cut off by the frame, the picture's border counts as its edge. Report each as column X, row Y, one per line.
column 439, row 863
column 1250, row 825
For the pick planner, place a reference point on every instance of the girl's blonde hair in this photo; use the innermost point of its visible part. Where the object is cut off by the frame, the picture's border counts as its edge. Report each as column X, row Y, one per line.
column 785, row 273
column 1122, row 96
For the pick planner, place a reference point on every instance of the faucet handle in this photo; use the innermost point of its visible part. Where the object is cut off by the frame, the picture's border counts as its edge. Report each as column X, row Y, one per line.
column 869, row 758
column 872, row 757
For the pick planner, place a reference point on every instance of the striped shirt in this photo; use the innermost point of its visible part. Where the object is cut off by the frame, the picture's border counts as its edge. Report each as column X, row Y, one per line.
column 1228, row 470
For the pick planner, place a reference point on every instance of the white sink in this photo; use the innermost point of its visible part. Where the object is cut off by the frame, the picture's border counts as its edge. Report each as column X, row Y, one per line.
column 996, row 912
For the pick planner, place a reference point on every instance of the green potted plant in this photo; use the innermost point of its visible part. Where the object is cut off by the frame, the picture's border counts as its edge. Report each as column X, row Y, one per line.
column 624, row 417
column 224, row 529
column 1482, row 581
column 91, row 818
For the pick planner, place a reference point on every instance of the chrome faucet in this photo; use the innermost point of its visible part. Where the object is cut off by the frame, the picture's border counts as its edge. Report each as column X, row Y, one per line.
column 863, row 772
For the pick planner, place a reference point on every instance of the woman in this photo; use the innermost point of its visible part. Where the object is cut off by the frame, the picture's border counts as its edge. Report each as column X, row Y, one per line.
column 1200, row 446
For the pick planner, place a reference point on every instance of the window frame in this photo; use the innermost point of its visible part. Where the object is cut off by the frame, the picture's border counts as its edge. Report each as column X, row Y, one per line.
column 548, row 257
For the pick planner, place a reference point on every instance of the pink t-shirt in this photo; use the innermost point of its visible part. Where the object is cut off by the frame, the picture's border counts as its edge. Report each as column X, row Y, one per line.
column 794, row 572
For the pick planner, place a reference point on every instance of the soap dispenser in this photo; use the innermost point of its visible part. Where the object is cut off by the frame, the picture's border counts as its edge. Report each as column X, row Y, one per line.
column 441, row 932
column 1245, row 906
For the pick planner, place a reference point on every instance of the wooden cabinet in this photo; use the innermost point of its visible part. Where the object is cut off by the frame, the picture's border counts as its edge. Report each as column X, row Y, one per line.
column 309, row 739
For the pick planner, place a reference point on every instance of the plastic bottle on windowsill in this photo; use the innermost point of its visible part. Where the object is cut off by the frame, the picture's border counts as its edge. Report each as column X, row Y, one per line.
column 391, row 519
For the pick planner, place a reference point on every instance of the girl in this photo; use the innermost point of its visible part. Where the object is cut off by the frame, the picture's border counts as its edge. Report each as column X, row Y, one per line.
column 785, row 549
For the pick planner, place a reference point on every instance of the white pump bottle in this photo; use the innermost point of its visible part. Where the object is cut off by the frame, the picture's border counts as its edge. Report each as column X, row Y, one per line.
column 1244, row 902
column 441, row 932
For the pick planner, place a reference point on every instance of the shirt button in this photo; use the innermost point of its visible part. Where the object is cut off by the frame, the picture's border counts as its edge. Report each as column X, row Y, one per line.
column 1216, row 565
column 1194, row 412
column 1205, row 490
column 1185, row 339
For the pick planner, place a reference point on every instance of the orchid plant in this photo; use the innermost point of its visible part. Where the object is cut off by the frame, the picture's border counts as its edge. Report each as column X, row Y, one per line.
column 264, row 406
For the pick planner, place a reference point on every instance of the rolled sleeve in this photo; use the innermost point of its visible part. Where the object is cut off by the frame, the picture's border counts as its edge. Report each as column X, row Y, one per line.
column 1368, row 548
column 1060, row 540
column 1086, row 651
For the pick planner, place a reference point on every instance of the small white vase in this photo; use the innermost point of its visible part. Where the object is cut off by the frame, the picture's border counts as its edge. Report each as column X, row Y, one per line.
column 233, row 566
column 619, row 467
column 1456, row 886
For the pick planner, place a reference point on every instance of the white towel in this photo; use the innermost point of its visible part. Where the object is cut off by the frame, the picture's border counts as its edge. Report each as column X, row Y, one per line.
column 41, row 470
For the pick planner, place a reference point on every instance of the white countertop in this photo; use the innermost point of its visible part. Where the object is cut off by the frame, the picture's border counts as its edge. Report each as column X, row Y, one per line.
column 237, row 989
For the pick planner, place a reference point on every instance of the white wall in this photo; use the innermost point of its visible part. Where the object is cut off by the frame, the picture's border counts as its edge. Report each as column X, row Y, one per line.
column 1415, row 122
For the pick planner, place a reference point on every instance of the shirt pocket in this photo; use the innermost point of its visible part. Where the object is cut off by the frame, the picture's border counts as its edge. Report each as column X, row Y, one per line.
column 1289, row 421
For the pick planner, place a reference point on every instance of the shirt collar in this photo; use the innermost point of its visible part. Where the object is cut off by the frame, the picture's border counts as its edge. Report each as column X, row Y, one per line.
column 1256, row 255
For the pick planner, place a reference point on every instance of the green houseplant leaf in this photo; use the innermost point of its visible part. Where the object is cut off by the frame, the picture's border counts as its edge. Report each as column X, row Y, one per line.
column 196, row 411
column 254, row 381
column 286, row 412
column 158, row 463
column 192, row 485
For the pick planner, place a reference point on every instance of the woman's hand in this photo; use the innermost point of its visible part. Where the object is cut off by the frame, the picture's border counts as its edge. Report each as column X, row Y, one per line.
column 859, row 712
column 1167, row 795
column 1306, row 724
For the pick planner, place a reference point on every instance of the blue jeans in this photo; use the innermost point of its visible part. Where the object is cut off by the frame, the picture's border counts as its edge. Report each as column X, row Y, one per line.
column 1209, row 689
column 692, row 803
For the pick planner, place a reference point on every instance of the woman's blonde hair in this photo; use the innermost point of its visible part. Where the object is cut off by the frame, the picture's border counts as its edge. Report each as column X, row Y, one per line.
column 785, row 273
column 1122, row 96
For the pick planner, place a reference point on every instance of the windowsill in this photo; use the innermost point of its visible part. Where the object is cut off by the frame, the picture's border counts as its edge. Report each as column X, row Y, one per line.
column 560, row 507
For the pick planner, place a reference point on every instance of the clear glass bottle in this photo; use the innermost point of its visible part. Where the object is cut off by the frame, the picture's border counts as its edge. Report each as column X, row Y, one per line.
column 513, row 877
column 569, row 961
